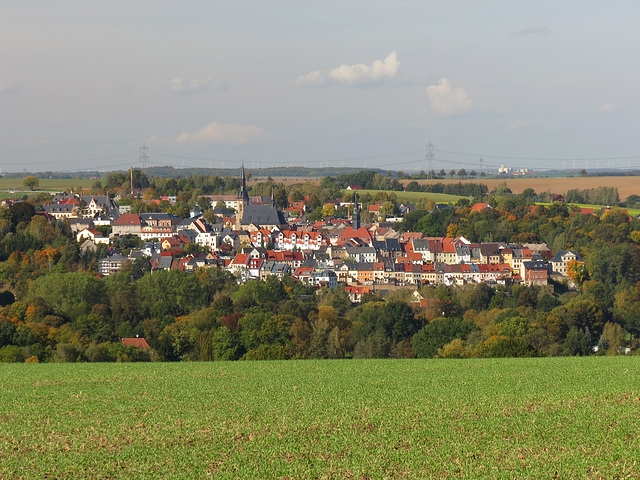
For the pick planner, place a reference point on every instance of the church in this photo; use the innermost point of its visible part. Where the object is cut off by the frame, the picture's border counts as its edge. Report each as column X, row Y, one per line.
column 253, row 216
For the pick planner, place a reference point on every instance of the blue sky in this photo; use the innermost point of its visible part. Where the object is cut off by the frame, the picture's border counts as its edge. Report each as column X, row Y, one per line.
column 354, row 83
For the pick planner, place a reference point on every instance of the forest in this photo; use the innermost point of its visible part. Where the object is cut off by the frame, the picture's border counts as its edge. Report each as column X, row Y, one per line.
column 55, row 308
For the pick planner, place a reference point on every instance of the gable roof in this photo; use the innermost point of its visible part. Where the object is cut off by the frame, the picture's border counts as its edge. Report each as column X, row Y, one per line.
column 135, row 342
column 128, row 219
column 262, row 215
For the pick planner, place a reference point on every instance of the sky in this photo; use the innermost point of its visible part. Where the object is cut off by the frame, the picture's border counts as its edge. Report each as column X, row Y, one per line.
column 205, row 83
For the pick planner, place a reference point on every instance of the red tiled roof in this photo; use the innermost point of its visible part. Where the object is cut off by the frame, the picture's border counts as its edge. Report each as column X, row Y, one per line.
column 135, row 342
column 128, row 219
column 478, row 207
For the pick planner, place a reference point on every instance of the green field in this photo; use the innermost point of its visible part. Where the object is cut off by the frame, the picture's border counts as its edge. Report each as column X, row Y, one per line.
column 46, row 184
column 413, row 197
column 503, row 418
column 634, row 212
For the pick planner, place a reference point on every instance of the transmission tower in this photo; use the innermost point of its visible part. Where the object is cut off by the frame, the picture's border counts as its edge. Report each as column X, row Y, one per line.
column 144, row 158
column 430, row 157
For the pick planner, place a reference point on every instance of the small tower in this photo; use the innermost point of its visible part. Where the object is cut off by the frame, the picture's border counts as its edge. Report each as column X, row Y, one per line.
column 355, row 217
column 243, row 197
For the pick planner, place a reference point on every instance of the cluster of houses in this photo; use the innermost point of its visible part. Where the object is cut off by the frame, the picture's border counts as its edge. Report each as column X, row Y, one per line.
column 253, row 239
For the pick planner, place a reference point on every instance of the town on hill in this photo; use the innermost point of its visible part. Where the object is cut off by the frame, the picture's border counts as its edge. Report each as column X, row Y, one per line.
column 196, row 272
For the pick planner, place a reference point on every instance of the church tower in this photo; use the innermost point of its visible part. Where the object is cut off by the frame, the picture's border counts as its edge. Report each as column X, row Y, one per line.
column 355, row 217
column 243, row 197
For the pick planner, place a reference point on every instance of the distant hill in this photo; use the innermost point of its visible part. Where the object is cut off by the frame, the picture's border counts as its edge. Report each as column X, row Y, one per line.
column 171, row 172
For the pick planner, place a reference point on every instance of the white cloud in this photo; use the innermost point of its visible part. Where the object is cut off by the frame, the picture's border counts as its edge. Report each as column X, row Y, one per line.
column 223, row 133
column 353, row 75
column 609, row 107
column 179, row 85
column 448, row 100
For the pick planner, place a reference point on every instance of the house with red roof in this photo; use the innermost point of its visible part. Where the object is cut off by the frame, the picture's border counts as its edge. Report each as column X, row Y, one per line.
column 349, row 233
column 138, row 342
column 127, row 224
column 478, row 207
column 355, row 292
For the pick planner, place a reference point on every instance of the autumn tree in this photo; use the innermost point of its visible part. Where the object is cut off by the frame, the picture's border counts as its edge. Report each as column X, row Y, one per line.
column 31, row 182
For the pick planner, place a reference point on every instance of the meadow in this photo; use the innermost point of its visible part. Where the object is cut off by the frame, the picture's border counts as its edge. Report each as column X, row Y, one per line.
column 12, row 187
column 491, row 418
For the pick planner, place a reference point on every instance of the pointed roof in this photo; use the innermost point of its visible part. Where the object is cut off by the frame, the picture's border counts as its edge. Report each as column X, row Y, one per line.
column 242, row 193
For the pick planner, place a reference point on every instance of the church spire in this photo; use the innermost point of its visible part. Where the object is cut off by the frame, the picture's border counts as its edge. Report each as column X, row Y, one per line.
column 355, row 218
column 243, row 196
column 242, row 193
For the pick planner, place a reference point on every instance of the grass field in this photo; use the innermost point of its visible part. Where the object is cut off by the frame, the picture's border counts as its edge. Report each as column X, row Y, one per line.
column 413, row 197
column 46, row 183
column 504, row 418
column 634, row 212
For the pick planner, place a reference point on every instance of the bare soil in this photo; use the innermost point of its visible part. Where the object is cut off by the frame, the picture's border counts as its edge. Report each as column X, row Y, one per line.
column 626, row 185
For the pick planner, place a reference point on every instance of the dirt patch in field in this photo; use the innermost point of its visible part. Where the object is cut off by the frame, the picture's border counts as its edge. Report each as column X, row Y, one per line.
column 626, row 185
column 287, row 180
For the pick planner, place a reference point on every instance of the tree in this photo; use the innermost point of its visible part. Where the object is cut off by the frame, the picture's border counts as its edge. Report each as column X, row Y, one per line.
column 576, row 271
column 115, row 180
column 329, row 210
column 404, row 323
column 280, row 197
column 169, row 292
column 502, row 189
column 577, row 342
column 71, row 294
column 612, row 339
column 502, row 347
column 387, row 209
column 462, row 173
column 452, row 173
column 31, row 182
column 437, row 333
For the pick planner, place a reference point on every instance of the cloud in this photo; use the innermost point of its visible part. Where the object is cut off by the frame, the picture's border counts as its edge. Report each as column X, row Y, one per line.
column 179, row 85
column 531, row 31
column 223, row 133
column 609, row 107
column 448, row 100
column 353, row 75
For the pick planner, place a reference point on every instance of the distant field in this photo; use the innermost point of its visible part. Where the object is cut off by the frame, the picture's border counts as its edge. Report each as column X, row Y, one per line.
column 45, row 183
column 626, row 185
column 634, row 212
column 504, row 418
column 413, row 197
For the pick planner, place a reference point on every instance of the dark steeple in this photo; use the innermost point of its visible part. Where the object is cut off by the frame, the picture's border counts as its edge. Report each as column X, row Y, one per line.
column 243, row 196
column 355, row 218
column 242, row 193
